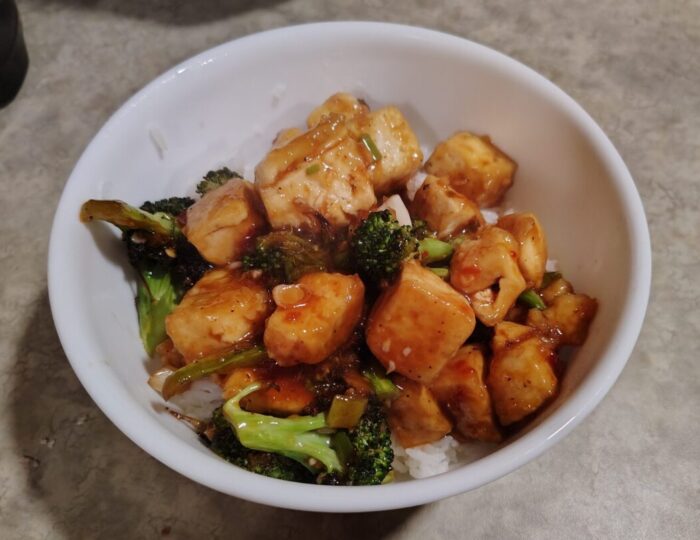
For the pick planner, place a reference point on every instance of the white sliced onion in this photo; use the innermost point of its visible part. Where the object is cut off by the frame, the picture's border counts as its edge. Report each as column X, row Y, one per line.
column 414, row 183
column 398, row 208
column 157, row 379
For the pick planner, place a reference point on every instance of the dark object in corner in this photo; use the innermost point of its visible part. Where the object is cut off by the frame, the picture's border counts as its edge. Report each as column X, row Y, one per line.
column 13, row 52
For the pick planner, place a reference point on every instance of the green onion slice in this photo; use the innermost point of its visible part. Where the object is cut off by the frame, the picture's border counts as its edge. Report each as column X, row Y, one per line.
column 371, row 146
column 530, row 298
column 313, row 169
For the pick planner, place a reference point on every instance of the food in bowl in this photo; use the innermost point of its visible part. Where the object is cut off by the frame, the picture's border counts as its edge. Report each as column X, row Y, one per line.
column 355, row 308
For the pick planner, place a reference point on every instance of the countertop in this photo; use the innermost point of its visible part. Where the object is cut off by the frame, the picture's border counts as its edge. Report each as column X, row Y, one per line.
column 631, row 470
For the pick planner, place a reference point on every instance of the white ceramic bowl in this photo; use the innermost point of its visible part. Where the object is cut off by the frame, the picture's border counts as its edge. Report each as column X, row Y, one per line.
column 225, row 105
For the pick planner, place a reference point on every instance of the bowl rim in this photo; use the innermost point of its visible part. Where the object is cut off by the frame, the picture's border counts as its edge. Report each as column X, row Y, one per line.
column 217, row 474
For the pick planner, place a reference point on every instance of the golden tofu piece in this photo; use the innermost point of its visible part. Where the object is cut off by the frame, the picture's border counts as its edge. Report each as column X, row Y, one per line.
column 341, row 103
column 415, row 417
column 521, row 378
column 532, row 259
column 556, row 288
column 285, row 394
column 222, row 309
column 418, row 324
column 314, row 317
column 316, row 178
column 401, row 155
column 222, row 223
column 569, row 315
column 482, row 262
column 460, row 388
column 445, row 210
column 285, row 136
column 474, row 166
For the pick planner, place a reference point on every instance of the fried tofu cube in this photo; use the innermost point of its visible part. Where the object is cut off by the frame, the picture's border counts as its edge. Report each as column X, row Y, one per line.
column 313, row 318
column 286, row 393
column 485, row 268
column 474, row 166
column 222, row 223
column 285, row 136
column 461, row 390
column 521, row 378
column 415, row 417
column 446, row 211
column 418, row 324
column 569, row 315
column 557, row 287
column 532, row 258
column 397, row 144
column 320, row 177
column 222, row 309
column 341, row 103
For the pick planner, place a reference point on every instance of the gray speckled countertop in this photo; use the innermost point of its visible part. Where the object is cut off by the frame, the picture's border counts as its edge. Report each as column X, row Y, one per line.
column 631, row 470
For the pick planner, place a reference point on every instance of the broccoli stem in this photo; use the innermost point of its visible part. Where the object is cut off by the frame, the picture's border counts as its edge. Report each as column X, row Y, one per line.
column 295, row 438
column 179, row 380
column 383, row 387
column 155, row 299
column 441, row 272
column 128, row 217
column 433, row 250
column 530, row 298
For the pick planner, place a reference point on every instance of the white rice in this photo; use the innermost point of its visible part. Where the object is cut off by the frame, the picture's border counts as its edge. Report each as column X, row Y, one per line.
column 200, row 400
column 490, row 215
column 426, row 460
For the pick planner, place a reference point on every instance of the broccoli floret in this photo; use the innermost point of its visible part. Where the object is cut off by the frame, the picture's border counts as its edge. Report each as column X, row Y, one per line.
column 172, row 205
column 296, row 438
column 284, row 257
column 421, row 230
column 380, row 245
column 166, row 263
column 215, row 179
column 372, row 454
column 223, row 441
column 383, row 386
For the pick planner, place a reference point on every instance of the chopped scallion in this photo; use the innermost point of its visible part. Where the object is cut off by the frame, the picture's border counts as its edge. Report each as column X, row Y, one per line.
column 530, row 298
column 371, row 146
column 313, row 169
